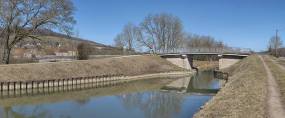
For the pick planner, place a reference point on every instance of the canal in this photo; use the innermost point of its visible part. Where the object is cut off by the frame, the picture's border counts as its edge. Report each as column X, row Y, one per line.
column 157, row 97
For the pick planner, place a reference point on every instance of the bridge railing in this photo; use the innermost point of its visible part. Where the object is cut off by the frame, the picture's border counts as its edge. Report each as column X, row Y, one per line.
column 233, row 50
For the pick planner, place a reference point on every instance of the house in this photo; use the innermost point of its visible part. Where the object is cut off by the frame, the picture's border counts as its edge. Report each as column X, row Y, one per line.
column 18, row 53
column 65, row 50
column 49, row 51
column 23, row 53
column 29, row 46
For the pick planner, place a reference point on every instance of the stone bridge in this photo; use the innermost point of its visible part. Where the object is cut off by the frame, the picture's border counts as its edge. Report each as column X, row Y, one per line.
column 227, row 56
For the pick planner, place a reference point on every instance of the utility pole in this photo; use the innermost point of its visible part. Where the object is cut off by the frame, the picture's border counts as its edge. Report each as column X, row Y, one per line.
column 276, row 43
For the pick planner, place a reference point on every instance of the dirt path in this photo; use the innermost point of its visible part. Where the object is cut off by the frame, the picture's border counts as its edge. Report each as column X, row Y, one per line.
column 274, row 104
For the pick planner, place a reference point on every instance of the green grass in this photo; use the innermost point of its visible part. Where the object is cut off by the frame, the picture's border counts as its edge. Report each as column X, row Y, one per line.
column 244, row 95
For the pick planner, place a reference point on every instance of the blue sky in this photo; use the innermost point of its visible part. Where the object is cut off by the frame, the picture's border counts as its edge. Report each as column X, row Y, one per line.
column 238, row 23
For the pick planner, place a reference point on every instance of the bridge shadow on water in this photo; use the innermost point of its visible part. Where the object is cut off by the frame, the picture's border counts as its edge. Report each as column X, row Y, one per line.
column 202, row 83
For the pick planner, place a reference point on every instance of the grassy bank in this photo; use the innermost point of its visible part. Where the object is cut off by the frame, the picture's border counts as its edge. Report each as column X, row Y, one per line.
column 279, row 75
column 282, row 62
column 244, row 95
column 129, row 66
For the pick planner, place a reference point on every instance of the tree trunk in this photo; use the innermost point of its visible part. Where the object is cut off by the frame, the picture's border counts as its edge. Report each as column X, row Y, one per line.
column 276, row 51
column 6, row 55
column 3, row 56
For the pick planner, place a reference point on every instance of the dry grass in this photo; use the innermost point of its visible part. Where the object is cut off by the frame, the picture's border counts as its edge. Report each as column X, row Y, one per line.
column 205, row 65
column 129, row 66
column 279, row 75
column 282, row 62
column 244, row 95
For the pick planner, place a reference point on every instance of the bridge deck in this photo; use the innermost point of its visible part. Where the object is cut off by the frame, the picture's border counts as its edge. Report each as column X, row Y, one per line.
column 205, row 53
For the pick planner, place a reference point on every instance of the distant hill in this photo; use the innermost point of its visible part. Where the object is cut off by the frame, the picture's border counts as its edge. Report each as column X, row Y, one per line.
column 44, row 32
column 53, row 39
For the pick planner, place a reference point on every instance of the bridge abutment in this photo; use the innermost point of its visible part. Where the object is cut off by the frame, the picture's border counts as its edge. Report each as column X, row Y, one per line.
column 228, row 60
column 180, row 60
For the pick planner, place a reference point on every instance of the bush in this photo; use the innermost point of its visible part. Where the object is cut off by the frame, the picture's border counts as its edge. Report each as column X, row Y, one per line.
column 84, row 51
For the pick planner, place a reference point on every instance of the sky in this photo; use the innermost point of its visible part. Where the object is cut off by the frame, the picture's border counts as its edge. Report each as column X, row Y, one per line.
column 238, row 23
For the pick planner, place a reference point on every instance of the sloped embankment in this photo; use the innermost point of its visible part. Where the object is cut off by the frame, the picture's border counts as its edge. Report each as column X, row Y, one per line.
column 244, row 95
column 129, row 66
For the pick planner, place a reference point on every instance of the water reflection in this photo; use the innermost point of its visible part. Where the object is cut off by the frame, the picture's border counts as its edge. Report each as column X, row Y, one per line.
column 157, row 97
column 21, row 112
column 202, row 83
column 81, row 102
column 167, row 102
column 205, row 80
column 154, row 104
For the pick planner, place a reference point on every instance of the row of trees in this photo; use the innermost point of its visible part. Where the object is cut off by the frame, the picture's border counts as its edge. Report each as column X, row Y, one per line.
column 275, row 44
column 161, row 33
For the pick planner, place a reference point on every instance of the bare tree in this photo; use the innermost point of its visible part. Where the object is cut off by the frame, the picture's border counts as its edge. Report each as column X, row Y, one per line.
column 119, row 41
column 76, row 35
column 128, row 37
column 75, row 41
column 196, row 41
column 276, row 43
column 19, row 18
column 163, row 32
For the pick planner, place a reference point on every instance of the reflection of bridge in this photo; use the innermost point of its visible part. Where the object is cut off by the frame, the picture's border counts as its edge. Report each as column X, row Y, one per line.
column 227, row 56
column 186, row 85
column 191, row 88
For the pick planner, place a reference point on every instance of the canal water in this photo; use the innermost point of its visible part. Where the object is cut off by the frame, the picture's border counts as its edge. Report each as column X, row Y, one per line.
column 154, row 98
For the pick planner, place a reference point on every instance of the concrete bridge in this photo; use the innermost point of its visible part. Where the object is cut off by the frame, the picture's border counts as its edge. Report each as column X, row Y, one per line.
column 227, row 56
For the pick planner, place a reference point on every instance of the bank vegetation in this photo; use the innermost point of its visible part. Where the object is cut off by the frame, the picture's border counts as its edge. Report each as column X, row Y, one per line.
column 204, row 65
column 128, row 66
column 278, row 74
column 244, row 95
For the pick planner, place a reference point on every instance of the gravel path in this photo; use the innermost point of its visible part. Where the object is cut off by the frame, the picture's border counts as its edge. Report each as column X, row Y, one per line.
column 275, row 107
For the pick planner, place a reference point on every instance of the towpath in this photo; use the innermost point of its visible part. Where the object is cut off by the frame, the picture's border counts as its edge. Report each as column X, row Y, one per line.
column 274, row 103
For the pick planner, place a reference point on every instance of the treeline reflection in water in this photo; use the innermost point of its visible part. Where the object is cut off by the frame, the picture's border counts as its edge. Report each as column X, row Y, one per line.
column 157, row 97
